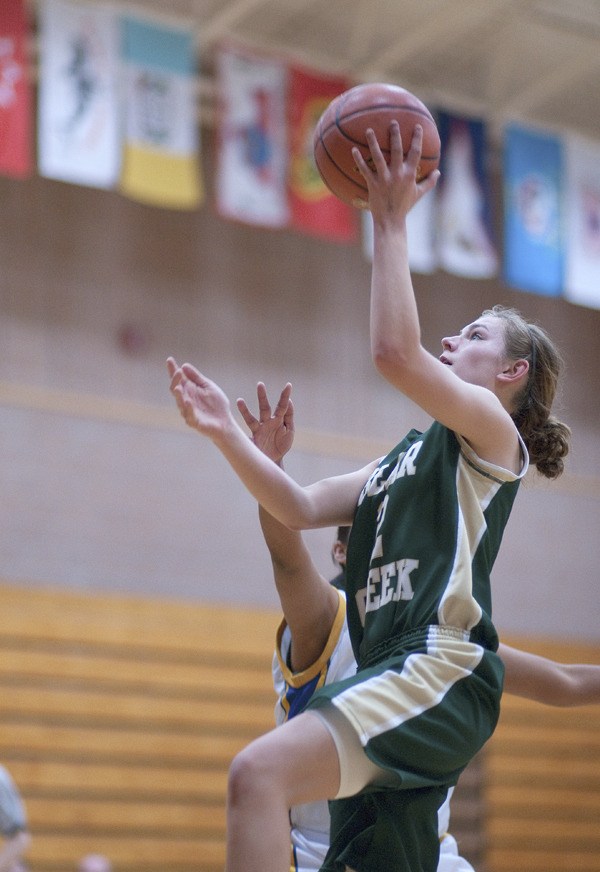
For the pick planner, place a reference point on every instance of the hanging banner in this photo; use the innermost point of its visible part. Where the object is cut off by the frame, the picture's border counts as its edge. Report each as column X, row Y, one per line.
column 313, row 208
column 78, row 125
column 533, row 249
column 160, row 156
column 582, row 221
column 252, row 159
column 16, row 102
column 420, row 228
column 465, row 245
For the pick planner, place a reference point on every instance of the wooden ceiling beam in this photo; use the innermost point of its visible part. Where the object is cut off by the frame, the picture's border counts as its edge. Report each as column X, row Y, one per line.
column 447, row 26
column 558, row 80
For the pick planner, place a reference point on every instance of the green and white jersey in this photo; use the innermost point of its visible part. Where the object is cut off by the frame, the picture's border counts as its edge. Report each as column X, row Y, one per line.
column 426, row 532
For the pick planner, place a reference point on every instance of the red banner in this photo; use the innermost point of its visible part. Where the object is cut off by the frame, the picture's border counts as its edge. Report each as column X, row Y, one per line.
column 16, row 105
column 313, row 208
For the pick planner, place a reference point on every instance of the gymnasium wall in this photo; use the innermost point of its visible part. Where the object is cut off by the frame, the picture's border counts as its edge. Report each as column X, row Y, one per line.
column 104, row 488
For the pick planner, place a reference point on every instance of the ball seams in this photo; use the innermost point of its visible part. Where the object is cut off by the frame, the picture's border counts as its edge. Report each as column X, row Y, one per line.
column 394, row 107
column 353, row 179
column 344, row 123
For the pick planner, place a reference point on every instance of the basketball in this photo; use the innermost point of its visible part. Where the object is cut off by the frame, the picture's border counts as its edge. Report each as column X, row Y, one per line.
column 344, row 123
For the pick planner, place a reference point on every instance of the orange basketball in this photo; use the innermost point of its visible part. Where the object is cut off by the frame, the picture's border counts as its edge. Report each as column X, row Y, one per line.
column 343, row 125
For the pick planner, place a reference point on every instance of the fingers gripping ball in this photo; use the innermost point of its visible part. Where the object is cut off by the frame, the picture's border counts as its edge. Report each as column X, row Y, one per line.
column 344, row 123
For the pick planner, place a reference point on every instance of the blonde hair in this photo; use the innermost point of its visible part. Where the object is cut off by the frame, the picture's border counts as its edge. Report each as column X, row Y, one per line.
column 546, row 438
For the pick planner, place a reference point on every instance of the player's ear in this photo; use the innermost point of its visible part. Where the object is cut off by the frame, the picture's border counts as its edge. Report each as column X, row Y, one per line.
column 514, row 371
column 339, row 552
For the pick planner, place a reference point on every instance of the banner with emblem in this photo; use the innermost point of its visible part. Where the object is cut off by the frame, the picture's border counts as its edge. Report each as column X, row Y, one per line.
column 16, row 101
column 78, row 108
column 313, row 208
column 533, row 245
column 161, row 149
column 582, row 221
column 252, row 143
column 465, row 242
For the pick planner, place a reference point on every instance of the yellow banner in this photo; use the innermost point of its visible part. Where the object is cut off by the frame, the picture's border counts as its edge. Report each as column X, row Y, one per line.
column 160, row 179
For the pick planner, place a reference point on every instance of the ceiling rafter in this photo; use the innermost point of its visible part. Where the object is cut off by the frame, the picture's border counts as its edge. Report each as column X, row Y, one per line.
column 501, row 60
column 227, row 17
column 559, row 80
column 446, row 27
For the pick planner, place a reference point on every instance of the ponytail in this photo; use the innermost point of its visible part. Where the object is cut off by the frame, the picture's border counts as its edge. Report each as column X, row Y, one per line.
column 546, row 438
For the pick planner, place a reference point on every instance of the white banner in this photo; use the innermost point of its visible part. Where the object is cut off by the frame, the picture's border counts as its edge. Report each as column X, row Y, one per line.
column 420, row 227
column 78, row 125
column 252, row 134
column 582, row 222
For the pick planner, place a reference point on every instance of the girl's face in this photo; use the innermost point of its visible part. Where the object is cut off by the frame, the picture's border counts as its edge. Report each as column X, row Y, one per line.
column 477, row 354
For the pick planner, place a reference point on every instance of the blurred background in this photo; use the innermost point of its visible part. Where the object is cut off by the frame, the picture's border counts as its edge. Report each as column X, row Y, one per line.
column 100, row 282
column 157, row 198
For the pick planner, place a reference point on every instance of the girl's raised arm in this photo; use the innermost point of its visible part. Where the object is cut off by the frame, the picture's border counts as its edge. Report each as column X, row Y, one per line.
column 474, row 404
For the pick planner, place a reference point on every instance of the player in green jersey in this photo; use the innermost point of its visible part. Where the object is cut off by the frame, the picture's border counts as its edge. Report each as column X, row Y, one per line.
column 313, row 647
column 427, row 521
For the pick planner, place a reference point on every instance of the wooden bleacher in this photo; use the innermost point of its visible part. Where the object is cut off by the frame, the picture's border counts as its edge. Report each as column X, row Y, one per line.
column 120, row 716
column 542, row 780
column 119, row 719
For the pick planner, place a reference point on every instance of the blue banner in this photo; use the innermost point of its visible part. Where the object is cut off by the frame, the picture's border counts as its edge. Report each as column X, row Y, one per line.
column 533, row 244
